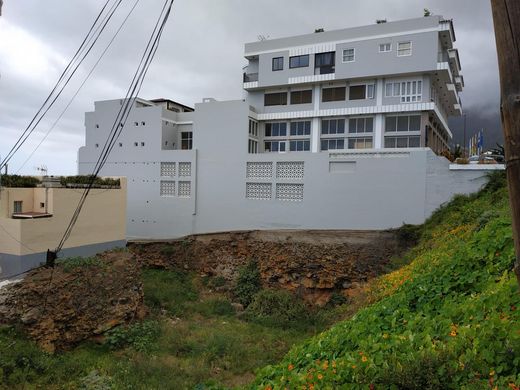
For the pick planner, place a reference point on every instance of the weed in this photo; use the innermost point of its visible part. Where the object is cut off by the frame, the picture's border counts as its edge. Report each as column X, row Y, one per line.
column 248, row 283
column 141, row 336
column 71, row 263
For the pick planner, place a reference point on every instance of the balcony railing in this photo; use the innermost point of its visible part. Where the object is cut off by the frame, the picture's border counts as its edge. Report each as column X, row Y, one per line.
column 250, row 77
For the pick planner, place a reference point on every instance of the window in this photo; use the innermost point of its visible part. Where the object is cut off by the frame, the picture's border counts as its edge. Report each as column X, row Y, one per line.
column 403, row 123
column 333, row 126
column 333, row 94
column 360, row 143
column 186, row 140
column 357, row 92
column 370, row 91
column 276, row 129
column 299, row 61
column 274, row 146
column 349, row 55
column 385, row 47
column 403, row 142
column 409, row 91
column 301, row 97
column 324, row 63
column 18, row 206
column 301, row 128
column 360, row 125
column 253, row 146
column 275, row 99
column 253, row 128
column 332, row 144
column 42, row 205
column 277, row 63
column 303, row 145
column 404, row 49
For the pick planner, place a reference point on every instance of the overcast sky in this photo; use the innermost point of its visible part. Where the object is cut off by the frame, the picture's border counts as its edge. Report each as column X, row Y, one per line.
column 201, row 55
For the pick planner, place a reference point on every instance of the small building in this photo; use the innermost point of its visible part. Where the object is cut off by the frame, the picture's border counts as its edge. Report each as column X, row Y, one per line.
column 33, row 220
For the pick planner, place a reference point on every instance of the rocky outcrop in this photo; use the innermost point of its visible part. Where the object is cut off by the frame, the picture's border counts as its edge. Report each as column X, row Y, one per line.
column 75, row 301
column 313, row 264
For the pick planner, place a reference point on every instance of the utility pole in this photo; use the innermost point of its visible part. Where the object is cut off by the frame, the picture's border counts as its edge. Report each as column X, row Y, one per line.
column 506, row 18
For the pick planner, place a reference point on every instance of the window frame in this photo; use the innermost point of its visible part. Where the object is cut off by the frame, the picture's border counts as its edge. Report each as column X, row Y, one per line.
column 301, row 93
column 188, row 139
column 277, row 59
column 343, row 55
column 334, row 99
column 400, row 50
column 389, row 44
column 275, row 104
column 299, row 61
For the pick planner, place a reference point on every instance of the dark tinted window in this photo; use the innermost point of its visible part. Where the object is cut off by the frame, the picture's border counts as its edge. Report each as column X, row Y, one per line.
column 415, row 123
column 299, row 61
column 301, row 97
column 275, row 99
column 333, row 94
column 278, row 63
column 357, row 92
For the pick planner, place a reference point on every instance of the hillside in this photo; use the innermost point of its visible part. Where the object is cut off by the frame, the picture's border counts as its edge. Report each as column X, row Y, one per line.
column 447, row 319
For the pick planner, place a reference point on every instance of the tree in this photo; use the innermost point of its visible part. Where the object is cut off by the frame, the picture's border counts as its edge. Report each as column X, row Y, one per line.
column 506, row 18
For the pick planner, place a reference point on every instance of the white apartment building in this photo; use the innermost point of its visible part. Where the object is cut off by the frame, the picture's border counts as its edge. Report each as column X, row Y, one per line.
column 338, row 130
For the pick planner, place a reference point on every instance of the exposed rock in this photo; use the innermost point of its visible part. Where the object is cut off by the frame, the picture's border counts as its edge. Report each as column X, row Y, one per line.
column 61, row 307
column 312, row 264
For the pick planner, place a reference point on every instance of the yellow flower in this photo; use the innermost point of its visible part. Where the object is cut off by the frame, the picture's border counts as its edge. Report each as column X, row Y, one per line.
column 492, row 373
column 364, row 359
column 453, row 333
column 354, row 366
column 385, row 336
column 320, row 377
column 290, row 367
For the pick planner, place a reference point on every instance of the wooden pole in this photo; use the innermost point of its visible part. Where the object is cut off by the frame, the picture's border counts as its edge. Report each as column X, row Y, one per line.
column 506, row 18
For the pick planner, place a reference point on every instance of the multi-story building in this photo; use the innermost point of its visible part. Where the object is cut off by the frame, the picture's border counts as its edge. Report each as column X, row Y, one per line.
column 338, row 130
column 33, row 220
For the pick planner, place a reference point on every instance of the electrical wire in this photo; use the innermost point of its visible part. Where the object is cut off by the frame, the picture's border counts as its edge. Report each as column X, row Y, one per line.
column 123, row 113
column 88, row 43
column 80, row 87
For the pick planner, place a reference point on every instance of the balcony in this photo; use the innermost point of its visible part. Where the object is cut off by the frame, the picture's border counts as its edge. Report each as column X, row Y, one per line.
column 250, row 77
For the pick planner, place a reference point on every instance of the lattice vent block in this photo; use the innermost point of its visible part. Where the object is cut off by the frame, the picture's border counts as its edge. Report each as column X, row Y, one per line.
column 168, row 169
column 259, row 191
column 184, row 169
column 167, row 188
column 289, row 192
column 185, row 189
column 290, row 170
column 259, row 170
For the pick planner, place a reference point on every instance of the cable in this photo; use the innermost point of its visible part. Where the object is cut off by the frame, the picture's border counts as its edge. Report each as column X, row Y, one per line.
column 80, row 87
column 34, row 122
column 123, row 113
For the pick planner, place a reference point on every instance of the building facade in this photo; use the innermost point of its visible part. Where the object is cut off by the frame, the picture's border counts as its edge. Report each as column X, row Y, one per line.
column 338, row 130
column 33, row 220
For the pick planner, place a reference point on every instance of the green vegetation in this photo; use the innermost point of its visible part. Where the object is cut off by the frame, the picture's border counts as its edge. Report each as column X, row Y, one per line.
column 70, row 263
column 16, row 181
column 446, row 320
column 86, row 179
column 248, row 283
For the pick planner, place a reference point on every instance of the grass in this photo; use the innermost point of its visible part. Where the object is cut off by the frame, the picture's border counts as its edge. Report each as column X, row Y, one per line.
column 192, row 339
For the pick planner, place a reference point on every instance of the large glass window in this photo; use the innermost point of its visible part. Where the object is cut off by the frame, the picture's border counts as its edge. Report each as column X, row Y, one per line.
column 333, row 126
column 277, row 63
column 300, row 145
column 403, row 142
column 275, row 99
column 299, row 61
column 403, row 123
column 301, row 97
column 300, row 128
column 276, row 129
column 357, row 92
column 333, row 94
column 324, row 63
column 274, row 146
column 360, row 143
column 186, row 140
column 361, row 125
column 332, row 143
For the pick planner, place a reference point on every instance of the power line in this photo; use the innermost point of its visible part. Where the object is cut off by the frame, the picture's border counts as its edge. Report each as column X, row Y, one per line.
column 80, row 87
column 89, row 42
column 123, row 113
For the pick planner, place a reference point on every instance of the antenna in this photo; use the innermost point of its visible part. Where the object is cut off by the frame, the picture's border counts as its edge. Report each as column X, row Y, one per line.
column 43, row 169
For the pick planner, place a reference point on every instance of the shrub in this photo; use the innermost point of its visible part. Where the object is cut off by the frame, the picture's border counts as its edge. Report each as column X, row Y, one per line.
column 409, row 235
column 86, row 179
column 337, row 299
column 277, row 309
column 16, row 181
column 70, row 263
column 216, row 307
column 248, row 283
column 140, row 336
